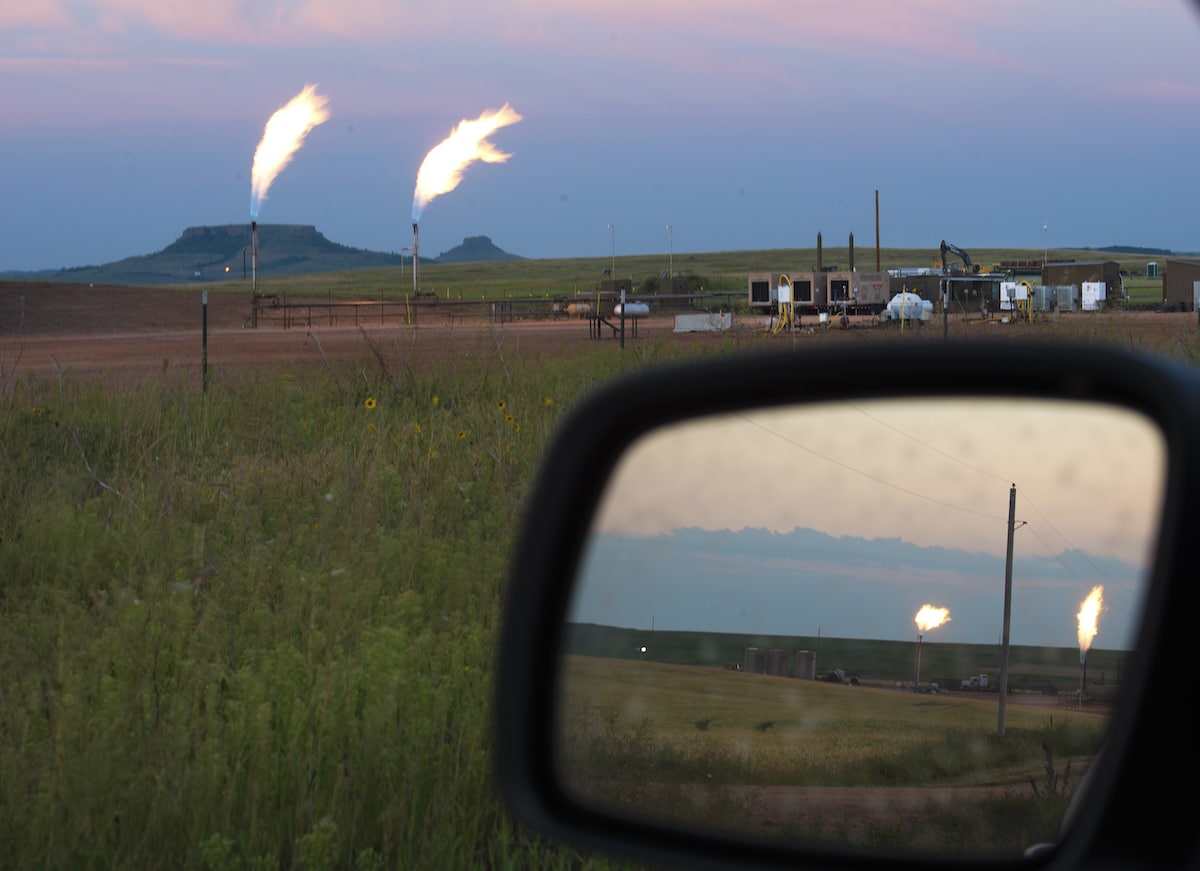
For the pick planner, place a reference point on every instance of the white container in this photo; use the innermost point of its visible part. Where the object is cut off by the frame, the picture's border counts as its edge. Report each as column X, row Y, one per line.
column 632, row 309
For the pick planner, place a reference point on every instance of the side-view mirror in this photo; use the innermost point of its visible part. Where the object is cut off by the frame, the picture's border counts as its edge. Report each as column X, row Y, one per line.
column 853, row 608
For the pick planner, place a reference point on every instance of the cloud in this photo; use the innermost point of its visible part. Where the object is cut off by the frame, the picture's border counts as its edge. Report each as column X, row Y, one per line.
column 755, row 580
column 685, row 32
column 35, row 14
column 245, row 22
column 1161, row 91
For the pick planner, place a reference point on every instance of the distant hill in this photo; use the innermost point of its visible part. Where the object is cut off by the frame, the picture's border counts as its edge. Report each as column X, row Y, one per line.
column 223, row 251
column 475, row 249
column 1133, row 249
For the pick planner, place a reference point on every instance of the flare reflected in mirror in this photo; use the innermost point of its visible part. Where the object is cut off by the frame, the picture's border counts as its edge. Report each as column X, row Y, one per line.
column 741, row 655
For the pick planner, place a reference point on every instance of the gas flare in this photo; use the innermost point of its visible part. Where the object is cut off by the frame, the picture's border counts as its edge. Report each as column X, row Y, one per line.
column 930, row 617
column 282, row 137
column 1089, row 617
column 443, row 167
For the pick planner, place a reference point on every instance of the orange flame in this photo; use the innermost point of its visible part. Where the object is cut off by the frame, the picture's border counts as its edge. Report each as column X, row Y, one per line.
column 1089, row 617
column 930, row 617
column 282, row 137
column 443, row 167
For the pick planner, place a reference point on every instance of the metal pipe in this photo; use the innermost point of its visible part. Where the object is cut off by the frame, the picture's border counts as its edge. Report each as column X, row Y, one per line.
column 254, row 257
column 877, row 269
column 414, row 253
column 254, row 274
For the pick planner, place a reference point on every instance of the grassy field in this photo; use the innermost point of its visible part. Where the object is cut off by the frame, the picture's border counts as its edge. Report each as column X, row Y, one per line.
column 871, row 660
column 723, row 271
column 256, row 627
column 683, row 743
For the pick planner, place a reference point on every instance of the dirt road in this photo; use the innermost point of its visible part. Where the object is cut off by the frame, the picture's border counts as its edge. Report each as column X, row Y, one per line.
column 127, row 332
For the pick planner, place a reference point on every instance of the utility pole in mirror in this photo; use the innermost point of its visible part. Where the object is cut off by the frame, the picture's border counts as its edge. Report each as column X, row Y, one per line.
column 1008, row 569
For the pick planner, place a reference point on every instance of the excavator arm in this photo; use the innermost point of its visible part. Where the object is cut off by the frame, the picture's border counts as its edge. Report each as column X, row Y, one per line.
column 961, row 254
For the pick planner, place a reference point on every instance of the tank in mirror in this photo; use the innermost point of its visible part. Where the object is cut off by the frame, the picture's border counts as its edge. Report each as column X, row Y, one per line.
column 790, row 623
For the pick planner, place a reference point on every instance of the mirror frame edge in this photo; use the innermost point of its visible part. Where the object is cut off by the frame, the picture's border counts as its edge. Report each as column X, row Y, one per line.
column 586, row 448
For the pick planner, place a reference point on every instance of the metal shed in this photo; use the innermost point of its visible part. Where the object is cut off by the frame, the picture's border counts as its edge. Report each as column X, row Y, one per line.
column 1181, row 283
column 1080, row 271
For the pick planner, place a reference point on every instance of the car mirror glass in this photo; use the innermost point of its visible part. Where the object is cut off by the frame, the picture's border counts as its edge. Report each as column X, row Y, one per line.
column 790, row 623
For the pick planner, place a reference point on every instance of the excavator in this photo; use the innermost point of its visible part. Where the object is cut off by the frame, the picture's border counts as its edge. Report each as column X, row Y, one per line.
column 968, row 267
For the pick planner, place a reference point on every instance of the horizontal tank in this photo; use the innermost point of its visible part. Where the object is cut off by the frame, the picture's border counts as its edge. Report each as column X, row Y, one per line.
column 632, row 309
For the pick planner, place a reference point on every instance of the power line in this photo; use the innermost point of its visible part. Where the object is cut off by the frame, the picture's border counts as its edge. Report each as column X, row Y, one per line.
column 1077, row 551
column 927, row 446
column 869, row 476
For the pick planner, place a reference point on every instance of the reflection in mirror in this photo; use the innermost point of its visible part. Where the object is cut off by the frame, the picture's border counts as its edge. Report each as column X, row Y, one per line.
column 791, row 623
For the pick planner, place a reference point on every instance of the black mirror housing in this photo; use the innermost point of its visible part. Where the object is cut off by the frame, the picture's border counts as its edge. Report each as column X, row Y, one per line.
column 1127, row 800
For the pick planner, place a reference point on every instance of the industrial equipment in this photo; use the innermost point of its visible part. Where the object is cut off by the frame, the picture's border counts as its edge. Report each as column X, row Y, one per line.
column 968, row 267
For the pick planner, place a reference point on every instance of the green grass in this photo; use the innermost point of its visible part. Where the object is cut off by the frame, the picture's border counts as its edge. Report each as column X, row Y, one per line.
column 722, row 271
column 256, row 627
column 707, row 746
column 874, row 661
column 766, row 730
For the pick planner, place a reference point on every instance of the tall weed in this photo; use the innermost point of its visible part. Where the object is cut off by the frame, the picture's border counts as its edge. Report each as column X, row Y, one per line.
column 255, row 627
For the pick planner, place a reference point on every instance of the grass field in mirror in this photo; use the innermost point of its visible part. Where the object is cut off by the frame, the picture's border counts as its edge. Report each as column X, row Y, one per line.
column 811, row 761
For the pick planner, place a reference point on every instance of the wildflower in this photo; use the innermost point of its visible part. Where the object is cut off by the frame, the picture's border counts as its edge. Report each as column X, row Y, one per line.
column 462, row 434
column 369, row 403
column 370, row 426
column 416, row 427
column 516, row 426
column 502, row 405
column 547, row 401
column 436, row 402
column 508, row 418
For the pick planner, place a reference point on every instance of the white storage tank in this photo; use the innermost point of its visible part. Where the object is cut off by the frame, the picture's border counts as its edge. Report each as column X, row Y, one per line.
column 909, row 307
column 632, row 309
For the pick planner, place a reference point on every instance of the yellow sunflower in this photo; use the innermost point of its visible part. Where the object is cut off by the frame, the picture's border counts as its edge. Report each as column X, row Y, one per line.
column 369, row 403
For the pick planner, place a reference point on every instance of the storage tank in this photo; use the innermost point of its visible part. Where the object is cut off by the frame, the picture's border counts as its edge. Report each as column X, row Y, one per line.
column 752, row 660
column 909, row 307
column 806, row 665
column 632, row 309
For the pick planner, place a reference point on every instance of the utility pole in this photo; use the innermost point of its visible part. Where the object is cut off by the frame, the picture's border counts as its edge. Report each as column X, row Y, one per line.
column 1004, row 638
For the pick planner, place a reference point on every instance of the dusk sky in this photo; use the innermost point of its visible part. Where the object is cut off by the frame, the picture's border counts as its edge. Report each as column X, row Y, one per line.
column 849, row 516
column 741, row 125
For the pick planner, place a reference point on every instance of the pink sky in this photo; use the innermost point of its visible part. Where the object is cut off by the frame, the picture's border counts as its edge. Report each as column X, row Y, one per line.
column 709, row 116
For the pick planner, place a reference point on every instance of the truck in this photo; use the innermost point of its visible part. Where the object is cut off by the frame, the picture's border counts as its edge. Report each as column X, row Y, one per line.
column 976, row 683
